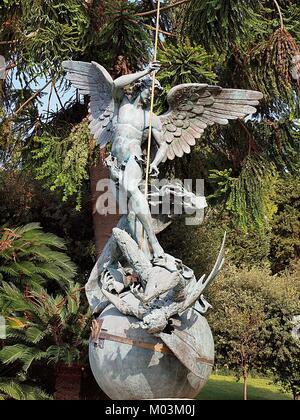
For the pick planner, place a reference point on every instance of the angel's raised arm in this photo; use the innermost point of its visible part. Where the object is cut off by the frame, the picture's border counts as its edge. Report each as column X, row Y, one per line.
column 128, row 79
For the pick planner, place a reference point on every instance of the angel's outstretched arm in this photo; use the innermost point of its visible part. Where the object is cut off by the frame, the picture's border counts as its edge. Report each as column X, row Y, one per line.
column 128, row 79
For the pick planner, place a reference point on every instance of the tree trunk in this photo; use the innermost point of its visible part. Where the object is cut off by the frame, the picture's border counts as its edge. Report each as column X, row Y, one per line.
column 103, row 225
column 68, row 382
column 245, row 376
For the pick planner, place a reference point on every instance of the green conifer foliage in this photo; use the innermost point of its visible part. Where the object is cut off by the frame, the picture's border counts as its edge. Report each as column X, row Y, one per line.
column 44, row 32
column 123, row 35
column 285, row 240
column 219, row 24
column 184, row 63
column 269, row 66
column 250, row 195
column 63, row 162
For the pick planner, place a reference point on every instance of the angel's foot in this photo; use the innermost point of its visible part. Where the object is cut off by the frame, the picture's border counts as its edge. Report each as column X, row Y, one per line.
column 158, row 251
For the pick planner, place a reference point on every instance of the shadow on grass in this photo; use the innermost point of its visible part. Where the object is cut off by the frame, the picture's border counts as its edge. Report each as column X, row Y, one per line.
column 227, row 388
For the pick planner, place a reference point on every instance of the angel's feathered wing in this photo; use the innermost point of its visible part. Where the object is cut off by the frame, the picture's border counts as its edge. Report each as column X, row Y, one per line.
column 194, row 107
column 93, row 80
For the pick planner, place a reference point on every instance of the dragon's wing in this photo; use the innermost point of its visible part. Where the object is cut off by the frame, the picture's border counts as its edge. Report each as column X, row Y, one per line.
column 93, row 80
column 186, row 349
column 194, row 107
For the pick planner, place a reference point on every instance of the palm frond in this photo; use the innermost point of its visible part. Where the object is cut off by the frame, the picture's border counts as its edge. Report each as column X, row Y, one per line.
column 19, row 352
column 10, row 388
column 28, row 254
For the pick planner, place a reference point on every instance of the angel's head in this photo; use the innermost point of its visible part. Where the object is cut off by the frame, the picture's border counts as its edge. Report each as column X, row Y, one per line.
column 143, row 88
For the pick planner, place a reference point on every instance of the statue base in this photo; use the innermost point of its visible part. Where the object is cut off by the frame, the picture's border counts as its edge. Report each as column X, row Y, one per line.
column 130, row 364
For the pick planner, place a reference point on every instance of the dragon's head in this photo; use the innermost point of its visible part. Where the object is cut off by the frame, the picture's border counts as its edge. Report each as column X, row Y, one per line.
column 173, row 200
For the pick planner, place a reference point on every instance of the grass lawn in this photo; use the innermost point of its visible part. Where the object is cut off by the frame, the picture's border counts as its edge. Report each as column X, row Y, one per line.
column 227, row 388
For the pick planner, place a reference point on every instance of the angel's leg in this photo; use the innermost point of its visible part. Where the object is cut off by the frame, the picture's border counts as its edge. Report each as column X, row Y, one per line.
column 138, row 203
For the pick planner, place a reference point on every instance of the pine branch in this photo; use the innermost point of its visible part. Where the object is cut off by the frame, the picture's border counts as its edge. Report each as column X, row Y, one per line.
column 163, row 9
column 31, row 98
column 49, row 100
column 11, row 66
column 151, row 28
column 57, row 94
column 16, row 41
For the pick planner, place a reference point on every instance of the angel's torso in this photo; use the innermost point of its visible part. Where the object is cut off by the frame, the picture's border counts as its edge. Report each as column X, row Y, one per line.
column 129, row 124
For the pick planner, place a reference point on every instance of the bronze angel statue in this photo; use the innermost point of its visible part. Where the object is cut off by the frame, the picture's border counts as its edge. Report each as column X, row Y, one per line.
column 120, row 111
column 141, row 295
